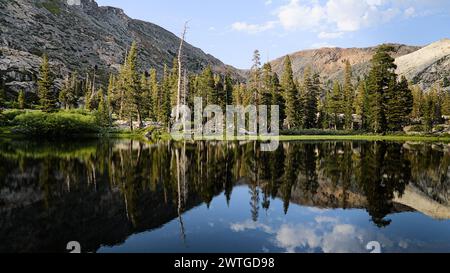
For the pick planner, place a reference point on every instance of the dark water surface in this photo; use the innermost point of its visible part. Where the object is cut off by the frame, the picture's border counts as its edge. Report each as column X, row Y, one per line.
column 128, row 196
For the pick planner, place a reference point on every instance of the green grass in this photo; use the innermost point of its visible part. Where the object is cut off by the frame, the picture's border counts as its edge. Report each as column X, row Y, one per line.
column 53, row 6
column 370, row 138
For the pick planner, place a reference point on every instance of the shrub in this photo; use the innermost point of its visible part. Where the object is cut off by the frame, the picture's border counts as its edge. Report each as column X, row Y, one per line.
column 55, row 124
column 52, row 6
column 8, row 116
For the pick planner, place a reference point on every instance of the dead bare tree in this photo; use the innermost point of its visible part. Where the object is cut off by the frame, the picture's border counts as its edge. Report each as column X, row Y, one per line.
column 180, row 69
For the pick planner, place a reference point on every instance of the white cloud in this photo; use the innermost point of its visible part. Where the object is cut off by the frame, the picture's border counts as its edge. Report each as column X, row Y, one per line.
column 250, row 225
column 332, row 18
column 410, row 12
column 253, row 28
column 296, row 16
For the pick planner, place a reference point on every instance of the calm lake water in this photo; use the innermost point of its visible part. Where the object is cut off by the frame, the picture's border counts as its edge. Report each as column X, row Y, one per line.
column 128, row 196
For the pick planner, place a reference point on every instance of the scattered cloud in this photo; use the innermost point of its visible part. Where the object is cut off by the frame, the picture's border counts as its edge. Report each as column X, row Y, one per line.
column 250, row 225
column 323, row 234
column 331, row 19
column 253, row 28
column 410, row 12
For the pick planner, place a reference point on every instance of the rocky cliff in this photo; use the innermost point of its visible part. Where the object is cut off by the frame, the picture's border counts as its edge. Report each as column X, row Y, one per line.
column 79, row 36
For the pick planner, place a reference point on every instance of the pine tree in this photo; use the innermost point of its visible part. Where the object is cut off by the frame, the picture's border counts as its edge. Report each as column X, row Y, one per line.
column 362, row 105
column 406, row 100
column 165, row 103
column 21, row 99
column 446, row 104
column 394, row 107
column 311, row 100
column 228, row 90
column 266, row 93
column 132, row 90
column 418, row 103
column 103, row 115
column 219, row 90
column 155, row 95
column 381, row 77
column 45, row 85
column 335, row 104
column 428, row 114
column 348, row 97
column 173, row 82
column 146, row 101
column 255, row 78
column 277, row 96
column 445, row 82
column 111, row 91
column 325, row 116
column 62, row 98
column 290, row 92
column 207, row 87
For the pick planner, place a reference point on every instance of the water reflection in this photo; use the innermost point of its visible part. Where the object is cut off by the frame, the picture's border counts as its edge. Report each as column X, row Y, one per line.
column 101, row 192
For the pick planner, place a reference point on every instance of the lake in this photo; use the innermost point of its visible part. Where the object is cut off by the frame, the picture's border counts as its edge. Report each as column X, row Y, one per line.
column 130, row 196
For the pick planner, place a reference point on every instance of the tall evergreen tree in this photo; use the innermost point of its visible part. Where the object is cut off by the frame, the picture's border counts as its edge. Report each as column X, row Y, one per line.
column 146, row 96
column 21, row 100
column 381, row 77
column 348, row 97
column 255, row 78
column 45, row 86
column 155, row 94
column 419, row 103
column 290, row 92
column 132, row 96
column 103, row 115
column 311, row 100
column 165, row 103
column 228, row 90
column 207, row 87
column 335, row 104
column 362, row 104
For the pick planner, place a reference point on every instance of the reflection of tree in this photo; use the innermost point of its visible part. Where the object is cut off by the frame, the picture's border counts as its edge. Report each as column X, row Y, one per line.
column 290, row 175
column 384, row 171
column 159, row 182
column 309, row 183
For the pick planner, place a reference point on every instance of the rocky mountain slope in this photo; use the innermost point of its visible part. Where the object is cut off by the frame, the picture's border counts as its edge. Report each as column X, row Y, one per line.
column 427, row 65
column 423, row 66
column 330, row 62
column 79, row 35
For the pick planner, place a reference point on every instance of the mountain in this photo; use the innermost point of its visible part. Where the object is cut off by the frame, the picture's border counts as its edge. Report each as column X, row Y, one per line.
column 78, row 37
column 426, row 65
column 421, row 65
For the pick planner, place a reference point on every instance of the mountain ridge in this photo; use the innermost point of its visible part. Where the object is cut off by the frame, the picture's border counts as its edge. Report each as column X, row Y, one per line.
column 83, row 37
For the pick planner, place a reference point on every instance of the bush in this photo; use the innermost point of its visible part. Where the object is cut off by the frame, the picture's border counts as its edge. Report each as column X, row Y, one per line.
column 55, row 124
column 417, row 128
column 8, row 116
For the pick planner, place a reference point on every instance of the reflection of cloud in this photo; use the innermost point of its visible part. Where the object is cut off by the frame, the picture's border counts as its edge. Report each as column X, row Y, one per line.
column 250, row 225
column 325, row 234
column 325, row 219
column 292, row 237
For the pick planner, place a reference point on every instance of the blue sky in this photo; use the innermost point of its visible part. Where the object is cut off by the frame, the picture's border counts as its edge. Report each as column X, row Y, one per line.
column 232, row 29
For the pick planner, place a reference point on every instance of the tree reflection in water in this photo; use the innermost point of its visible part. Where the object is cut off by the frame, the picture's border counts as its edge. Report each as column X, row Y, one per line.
column 46, row 186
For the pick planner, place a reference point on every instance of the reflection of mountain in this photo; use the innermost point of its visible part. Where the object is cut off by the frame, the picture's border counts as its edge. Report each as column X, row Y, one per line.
column 101, row 193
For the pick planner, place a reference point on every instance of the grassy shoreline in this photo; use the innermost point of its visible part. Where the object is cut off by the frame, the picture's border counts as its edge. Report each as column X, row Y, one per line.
column 7, row 132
